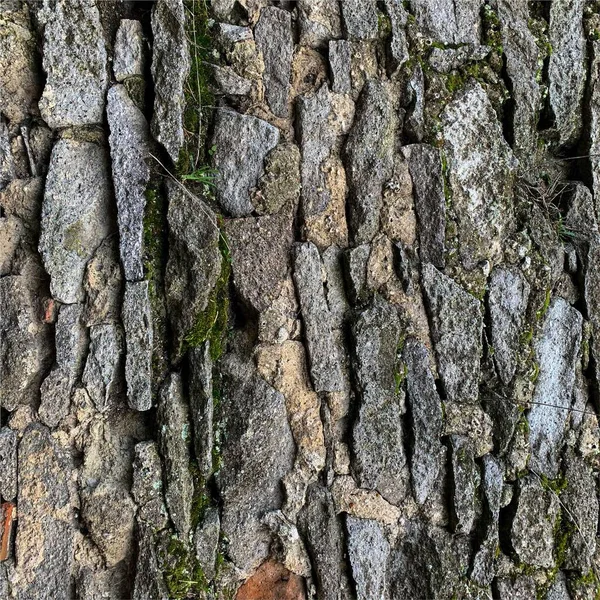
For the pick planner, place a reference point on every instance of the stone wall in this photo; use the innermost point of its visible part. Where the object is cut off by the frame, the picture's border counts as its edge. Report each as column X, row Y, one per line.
column 299, row 299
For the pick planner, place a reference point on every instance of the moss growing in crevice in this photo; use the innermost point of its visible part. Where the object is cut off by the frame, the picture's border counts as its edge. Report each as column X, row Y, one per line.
column 182, row 573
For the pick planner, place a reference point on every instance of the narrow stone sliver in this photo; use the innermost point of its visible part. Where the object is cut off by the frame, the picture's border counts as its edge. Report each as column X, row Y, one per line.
column 298, row 300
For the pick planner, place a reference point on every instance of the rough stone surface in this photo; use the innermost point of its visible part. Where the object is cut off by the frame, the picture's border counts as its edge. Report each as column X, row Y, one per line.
column 8, row 464
column 399, row 18
column 507, row 300
column 242, row 143
column 369, row 157
column 257, row 451
column 75, row 215
column 273, row 34
column 139, row 342
column 380, row 461
column 325, row 362
column 319, row 22
column 556, row 352
column 170, row 67
column 425, row 167
column 206, row 540
column 129, row 50
column 447, row 22
column 272, row 581
column 360, row 19
column 466, row 479
column 426, row 411
column 193, row 239
column 75, row 62
column 129, row 149
column 368, row 551
column 340, row 55
column 457, row 323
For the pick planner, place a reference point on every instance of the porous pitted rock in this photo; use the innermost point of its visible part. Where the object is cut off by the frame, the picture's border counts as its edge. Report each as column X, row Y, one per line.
column 322, row 531
column 466, row 480
column 556, row 353
column 147, row 487
column 481, row 182
column 360, row 19
column 456, row 323
column 379, row 458
column 399, row 45
column 521, row 587
column 323, row 352
column 206, row 541
column 129, row 149
column 426, row 410
column 368, row 551
column 174, row 438
column 71, row 339
column 75, row 214
column 170, row 68
column 103, row 376
column 522, row 64
column 129, row 50
column 414, row 123
column 20, row 76
column 470, row 421
column 532, row 530
column 319, row 22
column 26, row 348
column 193, row 240
column 580, row 512
column 257, row 451
column 109, row 513
column 369, row 157
column 340, row 57
column 425, row 166
column 260, row 256
column 273, row 35
column 508, row 294
column 8, row 464
column 567, row 67
column 242, row 143
column 55, row 397
column 449, row 22
column 75, row 63
column 139, row 343
column 45, row 536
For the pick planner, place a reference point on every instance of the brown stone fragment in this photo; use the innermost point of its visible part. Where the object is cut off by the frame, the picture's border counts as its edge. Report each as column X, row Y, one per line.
column 272, row 581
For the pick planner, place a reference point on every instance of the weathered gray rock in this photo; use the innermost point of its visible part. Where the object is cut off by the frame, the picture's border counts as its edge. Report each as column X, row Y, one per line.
column 521, row 587
column 149, row 582
column 592, row 137
column 129, row 149
column 559, row 589
column 445, row 60
column 368, row 551
column 579, row 502
column 481, row 183
column 508, row 294
column 426, row 410
column 522, row 64
column 174, row 438
column 75, row 64
column 202, row 406
column 71, row 339
column 399, row 18
column 8, row 464
column 129, row 51
column 170, row 68
column 55, row 397
column 257, row 451
column 20, row 78
column 103, row 376
column 379, row 458
column 532, row 531
column 340, row 57
column 470, row 421
column 324, row 355
column 147, row 487
column 456, row 323
column 193, row 240
column 556, row 352
column 369, row 157
column 273, row 35
column 580, row 216
column 414, row 124
column 242, row 143
column 229, row 82
column 356, row 262
column 206, row 541
column 360, row 19
column 75, row 215
column 319, row 22
column 567, row 67
column 26, row 348
column 109, row 513
column 466, row 480
column 425, row 165
column 260, row 256
column 139, row 342
column 322, row 531
column 45, row 536
column 447, row 22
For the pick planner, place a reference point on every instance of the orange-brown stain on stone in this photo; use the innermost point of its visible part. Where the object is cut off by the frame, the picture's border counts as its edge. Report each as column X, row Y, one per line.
column 272, row 581
column 7, row 515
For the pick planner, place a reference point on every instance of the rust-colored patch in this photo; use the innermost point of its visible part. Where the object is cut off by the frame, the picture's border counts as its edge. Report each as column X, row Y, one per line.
column 8, row 513
column 50, row 311
column 272, row 581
